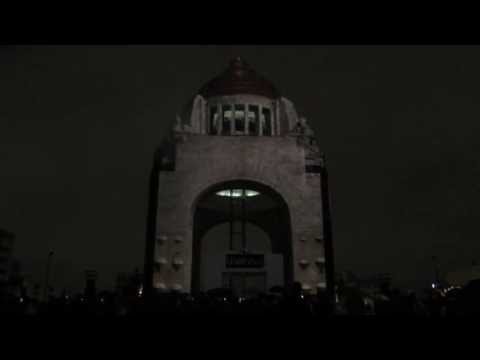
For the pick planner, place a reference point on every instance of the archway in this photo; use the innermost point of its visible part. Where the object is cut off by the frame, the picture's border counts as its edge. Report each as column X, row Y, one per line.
column 239, row 212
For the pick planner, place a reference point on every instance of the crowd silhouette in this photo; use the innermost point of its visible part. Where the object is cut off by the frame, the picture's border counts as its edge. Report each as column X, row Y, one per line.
column 350, row 301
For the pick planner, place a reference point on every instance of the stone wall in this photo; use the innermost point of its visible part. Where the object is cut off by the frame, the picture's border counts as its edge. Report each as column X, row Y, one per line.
column 202, row 161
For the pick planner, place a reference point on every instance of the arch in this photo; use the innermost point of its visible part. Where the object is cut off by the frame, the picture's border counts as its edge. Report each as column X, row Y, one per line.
column 275, row 222
column 251, row 183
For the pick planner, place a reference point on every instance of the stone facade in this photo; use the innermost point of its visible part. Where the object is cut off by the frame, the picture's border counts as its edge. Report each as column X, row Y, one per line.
column 196, row 156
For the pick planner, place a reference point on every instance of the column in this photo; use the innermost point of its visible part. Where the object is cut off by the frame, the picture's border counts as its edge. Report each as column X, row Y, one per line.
column 273, row 125
column 277, row 116
column 246, row 118
column 232, row 119
column 220, row 119
column 260, row 125
column 203, row 118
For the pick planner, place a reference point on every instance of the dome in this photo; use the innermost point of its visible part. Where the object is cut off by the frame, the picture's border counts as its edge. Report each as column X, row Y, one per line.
column 239, row 78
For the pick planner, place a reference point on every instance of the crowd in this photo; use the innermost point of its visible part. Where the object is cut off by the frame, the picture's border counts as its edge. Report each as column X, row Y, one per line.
column 350, row 301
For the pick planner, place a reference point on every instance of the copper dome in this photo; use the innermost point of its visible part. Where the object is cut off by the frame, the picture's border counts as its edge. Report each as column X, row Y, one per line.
column 239, row 78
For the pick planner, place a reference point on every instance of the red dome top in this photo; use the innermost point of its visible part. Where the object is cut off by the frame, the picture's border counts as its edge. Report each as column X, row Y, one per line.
column 239, row 78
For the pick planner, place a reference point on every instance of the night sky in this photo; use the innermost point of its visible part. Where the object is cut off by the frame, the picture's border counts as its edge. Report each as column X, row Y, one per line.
column 399, row 125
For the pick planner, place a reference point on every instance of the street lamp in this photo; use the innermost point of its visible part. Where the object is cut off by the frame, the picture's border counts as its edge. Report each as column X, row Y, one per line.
column 47, row 276
column 435, row 269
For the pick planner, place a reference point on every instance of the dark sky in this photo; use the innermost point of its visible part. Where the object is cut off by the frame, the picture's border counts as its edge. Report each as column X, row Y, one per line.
column 400, row 127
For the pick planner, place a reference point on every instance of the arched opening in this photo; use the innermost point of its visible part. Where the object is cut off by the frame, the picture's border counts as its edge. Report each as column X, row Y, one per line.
column 241, row 239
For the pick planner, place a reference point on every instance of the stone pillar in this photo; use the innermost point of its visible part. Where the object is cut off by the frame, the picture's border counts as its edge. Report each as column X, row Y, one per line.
column 203, row 114
column 260, row 125
column 220, row 119
column 277, row 116
column 246, row 119
column 232, row 119
column 272, row 121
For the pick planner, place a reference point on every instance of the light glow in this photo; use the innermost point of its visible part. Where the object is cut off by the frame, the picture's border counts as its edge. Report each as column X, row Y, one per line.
column 237, row 193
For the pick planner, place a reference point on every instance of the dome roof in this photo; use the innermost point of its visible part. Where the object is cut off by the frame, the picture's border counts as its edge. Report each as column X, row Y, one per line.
column 239, row 78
